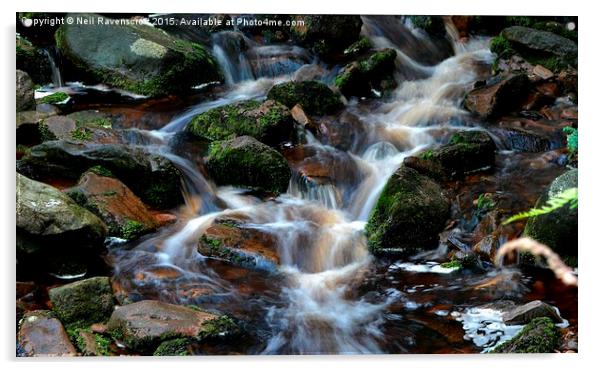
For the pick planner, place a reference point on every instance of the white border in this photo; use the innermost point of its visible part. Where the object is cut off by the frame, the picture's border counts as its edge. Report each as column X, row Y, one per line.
column 590, row 86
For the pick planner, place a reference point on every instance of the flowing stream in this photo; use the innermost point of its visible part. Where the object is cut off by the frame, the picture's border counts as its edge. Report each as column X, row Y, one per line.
column 315, row 300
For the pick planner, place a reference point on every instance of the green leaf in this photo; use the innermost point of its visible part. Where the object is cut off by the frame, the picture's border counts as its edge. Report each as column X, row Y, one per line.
column 569, row 196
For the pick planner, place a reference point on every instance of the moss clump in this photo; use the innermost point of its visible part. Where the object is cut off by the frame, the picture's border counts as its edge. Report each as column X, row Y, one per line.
column 131, row 229
column 101, row 171
column 427, row 154
column 572, row 139
column 55, row 98
column 81, row 134
column 268, row 122
column 360, row 46
column 485, row 203
column 453, row 264
column 539, row 336
column 174, row 347
column 500, row 46
column 45, row 133
column 101, row 347
column 373, row 72
column 245, row 162
column 313, row 96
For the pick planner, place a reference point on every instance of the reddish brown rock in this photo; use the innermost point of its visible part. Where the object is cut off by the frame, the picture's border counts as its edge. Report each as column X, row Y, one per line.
column 499, row 98
column 40, row 334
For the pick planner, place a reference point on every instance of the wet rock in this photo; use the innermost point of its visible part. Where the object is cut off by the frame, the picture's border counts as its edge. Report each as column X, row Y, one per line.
column 497, row 98
column 174, row 347
column 231, row 240
column 272, row 60
column 409, row 214
column 152, row 177
column 540, row 41
column 467, row 151
column 111, row 200
column 57, row 127
column 372, row 73
column 523, row 314
column 313, row 96
column 431, row 24
column 269, row 122
column 326, row 35
column 45, row 214
column 83, row 302
column 542, row 72
column 33, row 61
column 301, row 118
column 25, row 98
column 557, row 229
column 136, row 58
column 143, row 325
column 345, row 132
column 90, row 344
column 244, row 161
column 539, row 336
column 568, row 81
column 40, row 334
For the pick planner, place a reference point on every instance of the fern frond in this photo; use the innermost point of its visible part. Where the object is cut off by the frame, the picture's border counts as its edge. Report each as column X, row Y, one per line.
column 569, row 196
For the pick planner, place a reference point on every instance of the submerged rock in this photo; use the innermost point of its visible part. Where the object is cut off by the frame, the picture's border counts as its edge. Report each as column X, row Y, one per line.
column 150, row 176
column 25, row 100
column 557, row 229
column 313, row 96
column 145, row 324
column 372, row 73
column 83, row 302
column 539, row 336
column 45, row 214
column 409, row 214
column 244, row 161
column 135, row 57
column 111, row 200
column 41, row 334
column 499, row 98
column 326, row 35
column 269, row 122
column 249, row 247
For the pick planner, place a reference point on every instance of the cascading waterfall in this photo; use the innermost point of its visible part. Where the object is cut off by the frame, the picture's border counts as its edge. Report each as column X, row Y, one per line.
column 52, row 55
column 320, row 241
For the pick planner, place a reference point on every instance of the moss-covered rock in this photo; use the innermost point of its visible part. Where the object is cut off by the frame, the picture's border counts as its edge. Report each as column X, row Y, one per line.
column 111, row 200
column 24, row 91
column 244, row 161
column 373, row 72
column 326, row 35
column 431, row 24
column 269, row 122
column 539, row 336
column 144, row 325
column 150, row 176
column 408, row 216
column 135, row 57
column 83, row 302
column 557, row 229
column 313, row 96
column 174, row 347
column 33, row 61
column 359, row 47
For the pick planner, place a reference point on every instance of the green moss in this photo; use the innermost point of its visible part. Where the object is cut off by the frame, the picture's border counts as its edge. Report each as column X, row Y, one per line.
column 313, row 96
column 427, row 154
column 101, row 171
column 501, row 46
column 572, row 139
column 433, row 25
column 485, row 203
column 131, row 229
column 45, row 133
column 81, row 134
column 217, row 328
column 539, row 336
column 360, row 46
column 102, row 343
column 55, row 98
column 379, row 62
column 453, row 264
column 174, row 347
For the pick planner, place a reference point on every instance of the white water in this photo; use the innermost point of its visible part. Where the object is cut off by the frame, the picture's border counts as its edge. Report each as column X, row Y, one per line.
column 321, row 243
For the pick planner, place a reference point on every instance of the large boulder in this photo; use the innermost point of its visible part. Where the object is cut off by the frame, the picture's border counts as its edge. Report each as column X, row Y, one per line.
column 497, row 98
column 25, row 100
column 135, row 57
column 540, row 41
column 326, row 35
column 269, row 122
column 313, row 96
column 557, row 229
column 83, row 302
column 143, row 325
column 539, row 336
column 229, row 239
column 244, row 161
column 409, row 214
column 150, row 176
column 41, row 334
column 111, row 200
column 466, row 151
column 374, row 72
column 44, row 214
